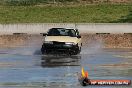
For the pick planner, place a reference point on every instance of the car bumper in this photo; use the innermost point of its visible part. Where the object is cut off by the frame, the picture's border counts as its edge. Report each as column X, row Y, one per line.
column 59, row 48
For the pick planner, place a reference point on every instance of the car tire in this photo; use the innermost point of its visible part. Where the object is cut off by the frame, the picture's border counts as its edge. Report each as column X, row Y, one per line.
column 77, row 50
column 43, row 50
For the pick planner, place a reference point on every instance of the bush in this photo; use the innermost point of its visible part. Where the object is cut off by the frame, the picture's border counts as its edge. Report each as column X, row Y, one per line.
column 21, row 2
column 66, row 0
column 33, row 2
column 2, row 2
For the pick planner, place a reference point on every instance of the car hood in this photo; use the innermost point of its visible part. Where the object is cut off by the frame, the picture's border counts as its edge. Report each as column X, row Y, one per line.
column 62, row 39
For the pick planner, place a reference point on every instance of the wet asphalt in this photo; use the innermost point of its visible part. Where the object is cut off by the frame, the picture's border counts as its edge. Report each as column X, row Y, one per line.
column 23, row 66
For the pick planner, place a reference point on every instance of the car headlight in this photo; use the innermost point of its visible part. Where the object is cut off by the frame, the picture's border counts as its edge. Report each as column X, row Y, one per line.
column 48, row 42
column 69, row 43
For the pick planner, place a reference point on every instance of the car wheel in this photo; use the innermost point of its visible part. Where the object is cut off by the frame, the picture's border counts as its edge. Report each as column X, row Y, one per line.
column 43, row 50
column 76, row 51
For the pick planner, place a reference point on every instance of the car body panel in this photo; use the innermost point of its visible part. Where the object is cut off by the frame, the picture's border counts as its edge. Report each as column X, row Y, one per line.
column 62, row 39
column 55, row 41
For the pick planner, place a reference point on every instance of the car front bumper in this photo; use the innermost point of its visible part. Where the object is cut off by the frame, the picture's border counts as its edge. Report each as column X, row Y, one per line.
column 63, row 48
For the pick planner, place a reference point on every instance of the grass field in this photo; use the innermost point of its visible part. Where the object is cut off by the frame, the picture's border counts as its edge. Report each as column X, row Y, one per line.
column 102, row 13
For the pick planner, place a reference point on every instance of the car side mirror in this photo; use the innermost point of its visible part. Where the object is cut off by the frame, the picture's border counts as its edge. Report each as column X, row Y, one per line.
column 78, row 36
column 44, row 34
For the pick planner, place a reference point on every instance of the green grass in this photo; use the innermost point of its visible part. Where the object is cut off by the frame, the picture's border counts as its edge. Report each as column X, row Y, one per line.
column 34, row 2
column 105, row 13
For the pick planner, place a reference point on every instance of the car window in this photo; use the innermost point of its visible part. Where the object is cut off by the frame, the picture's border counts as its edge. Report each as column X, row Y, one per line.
column 62, row 32
column 53, row 32
column 77, row 32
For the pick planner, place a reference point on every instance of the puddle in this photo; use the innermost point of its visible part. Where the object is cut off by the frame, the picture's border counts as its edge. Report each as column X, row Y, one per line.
column 24, row 66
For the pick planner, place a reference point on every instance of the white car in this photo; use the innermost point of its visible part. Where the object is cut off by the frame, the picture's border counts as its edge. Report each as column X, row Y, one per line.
column 62, row 40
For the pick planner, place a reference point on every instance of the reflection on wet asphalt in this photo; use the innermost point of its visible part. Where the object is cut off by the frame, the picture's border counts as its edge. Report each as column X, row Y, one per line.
column 25, row 66
column 56, row 61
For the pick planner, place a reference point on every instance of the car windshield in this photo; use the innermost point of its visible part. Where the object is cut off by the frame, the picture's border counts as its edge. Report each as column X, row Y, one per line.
column 62, row 32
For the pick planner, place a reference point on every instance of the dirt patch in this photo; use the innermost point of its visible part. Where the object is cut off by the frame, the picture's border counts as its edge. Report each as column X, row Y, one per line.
column 13, row 40
column 109, row 40
column 106, row 40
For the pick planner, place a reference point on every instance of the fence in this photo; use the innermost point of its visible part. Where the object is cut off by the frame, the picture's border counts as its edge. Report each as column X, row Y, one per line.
column 82, row 27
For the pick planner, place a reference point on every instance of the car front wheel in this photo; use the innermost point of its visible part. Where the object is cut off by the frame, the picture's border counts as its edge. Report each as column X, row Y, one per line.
column 77, row 50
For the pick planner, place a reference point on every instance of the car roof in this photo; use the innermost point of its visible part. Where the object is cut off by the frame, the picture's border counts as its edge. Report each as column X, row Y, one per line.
column 64, row 28
column 58, row 28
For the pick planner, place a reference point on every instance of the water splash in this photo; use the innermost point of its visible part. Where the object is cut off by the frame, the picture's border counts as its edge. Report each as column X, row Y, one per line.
column 93, row 47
